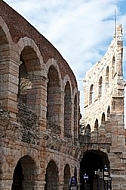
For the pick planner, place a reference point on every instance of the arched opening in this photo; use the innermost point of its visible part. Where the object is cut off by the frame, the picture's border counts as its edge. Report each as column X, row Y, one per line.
column 51, row 176
column 91, row 96
column 100, row 87
column 18, row 177
column 24, row 176
column 103, row 118
column 24, row 84
column 93, row 165
column 87, row 133
column 67, row 111
column 66, row 177
column 28, row 95
column 113, row 67
column 96, row 124
column 108, row 112
column 3, row 38
column 53, row 100
column 107, row 77
column 75, row 119
column 28, row 78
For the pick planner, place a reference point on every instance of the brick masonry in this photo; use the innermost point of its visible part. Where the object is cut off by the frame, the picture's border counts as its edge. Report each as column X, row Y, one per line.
column 38, row 94
column 41, row 144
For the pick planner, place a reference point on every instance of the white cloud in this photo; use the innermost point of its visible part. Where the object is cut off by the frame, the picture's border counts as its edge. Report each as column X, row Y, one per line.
column 81, row 30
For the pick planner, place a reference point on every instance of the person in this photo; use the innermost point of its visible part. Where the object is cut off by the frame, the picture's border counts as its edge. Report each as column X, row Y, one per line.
column 73, row 183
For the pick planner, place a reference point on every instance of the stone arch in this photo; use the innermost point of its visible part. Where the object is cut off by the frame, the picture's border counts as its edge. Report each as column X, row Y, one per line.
column 93, row 161
column 67, row 110
column 33, row 71
column 29, row 94
column 108, row 112
column 75, row 117
column 103, row 118
column 107, row 77
column 87, row 133
column 52, row 177
column 54, row 113
column 29, row 77
column 96, row 124
column 5, row 37
column 66, row 177
column 25, row 174
column 53, row 62
column 91, row 95
column 68, row 80
column 5, row 41
column 88, row 129
column 113, row 66
column 100, row 87
column 28, row 42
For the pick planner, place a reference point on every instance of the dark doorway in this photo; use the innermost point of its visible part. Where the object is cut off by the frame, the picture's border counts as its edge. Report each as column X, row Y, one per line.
column 91, row 170
column 18, row 177
column 51, row 176
column 24, row 176
column 66, row 177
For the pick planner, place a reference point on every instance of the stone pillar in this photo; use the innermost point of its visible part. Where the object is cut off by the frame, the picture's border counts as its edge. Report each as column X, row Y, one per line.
column 94, row 136
column 40, row 87
column 62, row 114
column 119, row 46
column 39, row 185
column 6, row 184
column 9, row 86
column 61, row 186
column 108, row 135
column 72, row 119
column 101, row 133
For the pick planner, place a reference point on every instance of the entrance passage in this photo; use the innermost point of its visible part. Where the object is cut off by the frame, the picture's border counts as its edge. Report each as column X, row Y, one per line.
column 18, row 177
column 51, row 176
column 92, row 168
column 66, row 177
column 24, row 174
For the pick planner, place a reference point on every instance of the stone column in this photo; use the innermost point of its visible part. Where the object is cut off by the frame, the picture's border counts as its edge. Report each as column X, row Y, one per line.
column 9, row 86
column 40, row 185
column 62, row 114
column 6, row 184
column 61, row 185
column 119, row 46
column 40, row 86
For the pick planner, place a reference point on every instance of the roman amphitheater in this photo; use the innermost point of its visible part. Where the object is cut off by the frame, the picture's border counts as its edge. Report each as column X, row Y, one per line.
column 42, row 141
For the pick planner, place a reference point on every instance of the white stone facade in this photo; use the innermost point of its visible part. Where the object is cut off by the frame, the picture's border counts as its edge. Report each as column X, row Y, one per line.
column 104, row 110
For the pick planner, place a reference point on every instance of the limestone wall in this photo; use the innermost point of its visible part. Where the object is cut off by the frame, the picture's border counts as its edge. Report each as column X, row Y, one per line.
column 104, row 109
column 109, row 69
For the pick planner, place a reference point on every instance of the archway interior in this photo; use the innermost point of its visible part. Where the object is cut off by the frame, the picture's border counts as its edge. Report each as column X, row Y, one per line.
column 67, row 111
column 27, row 77
column 24, row 174
column 51, row 176
column 18, row 177
column 66, row 177
column 91, row 163
column 53, row 97
column 3, row 38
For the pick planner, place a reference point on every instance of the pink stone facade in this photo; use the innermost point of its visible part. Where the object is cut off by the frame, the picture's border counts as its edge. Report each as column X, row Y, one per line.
column 39, row 109
column 42, row 143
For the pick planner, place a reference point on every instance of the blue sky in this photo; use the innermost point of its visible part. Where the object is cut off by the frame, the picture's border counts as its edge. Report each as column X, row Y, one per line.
column 81, row 30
